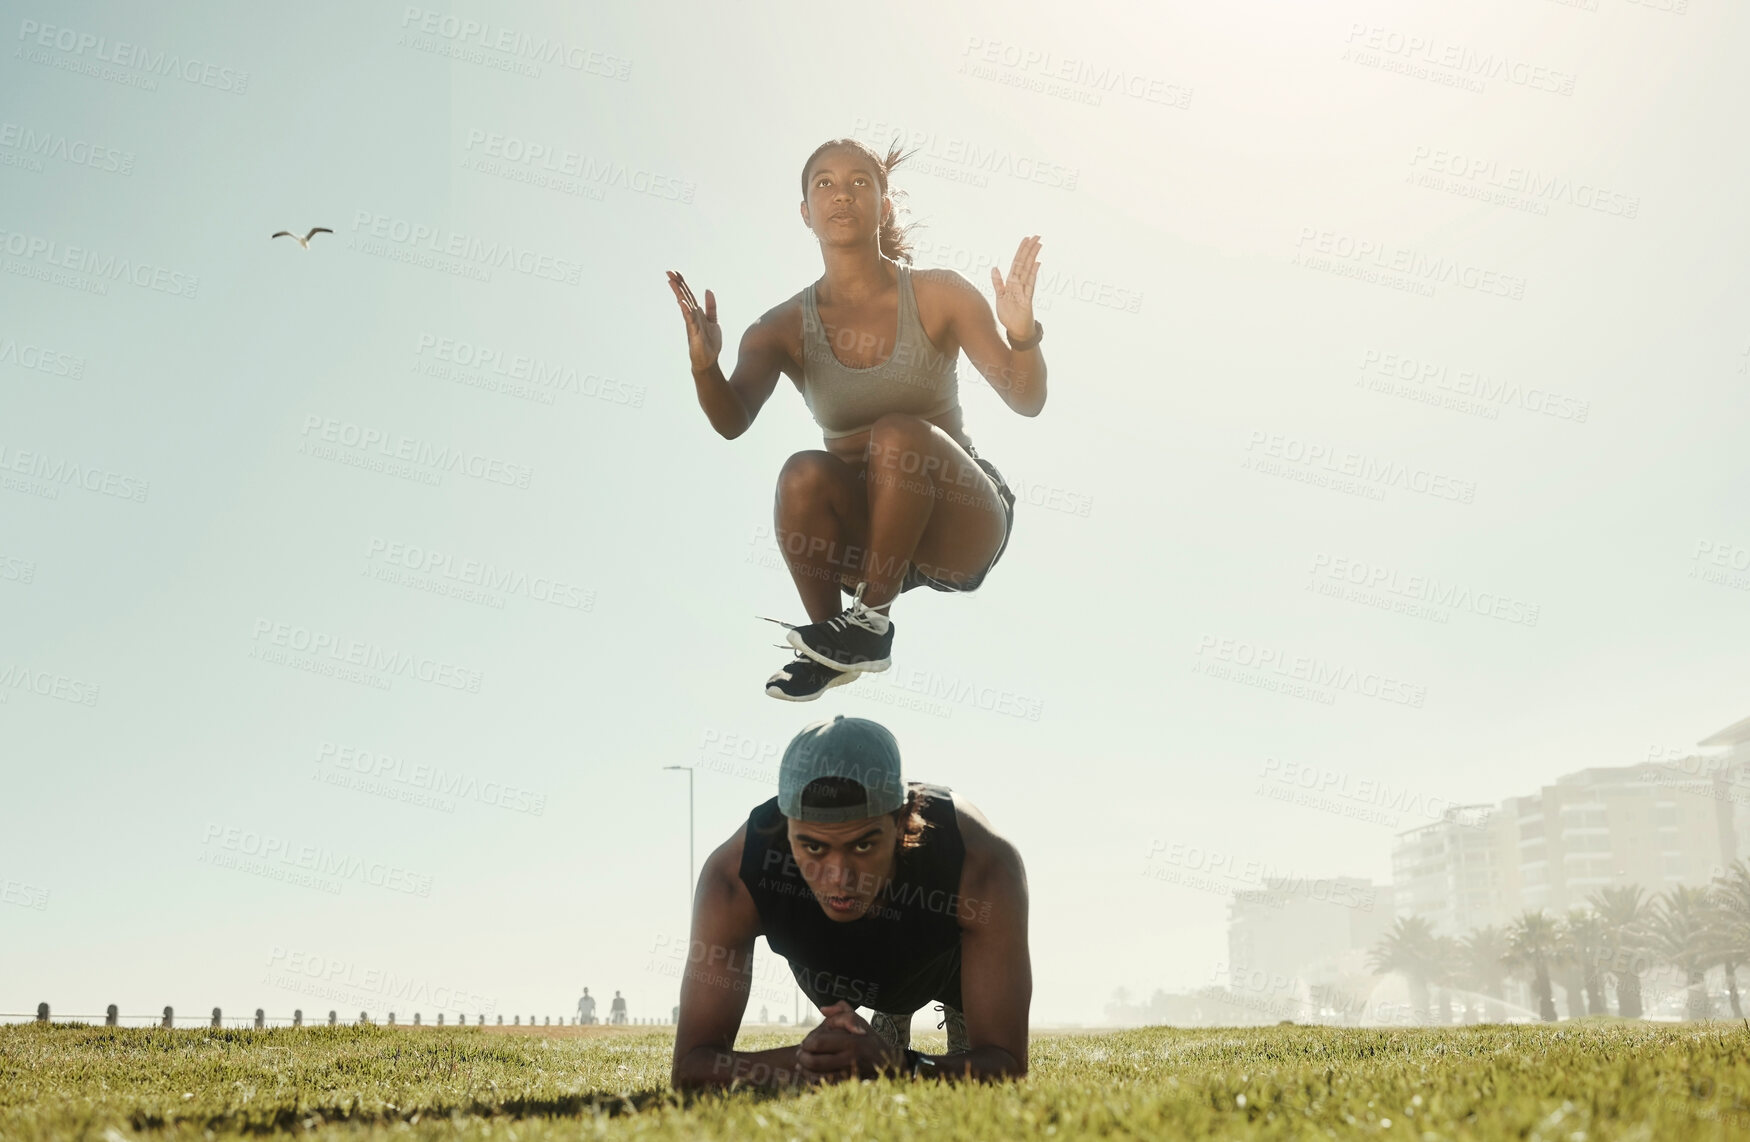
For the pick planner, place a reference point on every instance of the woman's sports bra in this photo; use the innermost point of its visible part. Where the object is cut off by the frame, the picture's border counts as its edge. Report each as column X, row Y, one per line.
column 916, row 378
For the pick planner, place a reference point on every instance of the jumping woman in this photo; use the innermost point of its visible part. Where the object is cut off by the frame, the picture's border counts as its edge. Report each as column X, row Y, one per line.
column 898, row 498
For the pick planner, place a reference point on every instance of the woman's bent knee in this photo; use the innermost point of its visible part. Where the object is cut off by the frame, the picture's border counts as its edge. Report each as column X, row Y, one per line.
column 903, row 442
column 808, row 476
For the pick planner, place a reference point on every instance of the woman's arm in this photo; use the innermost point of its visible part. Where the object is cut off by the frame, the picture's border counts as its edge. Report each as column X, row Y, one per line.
column 1018, row 376
column 730, row 404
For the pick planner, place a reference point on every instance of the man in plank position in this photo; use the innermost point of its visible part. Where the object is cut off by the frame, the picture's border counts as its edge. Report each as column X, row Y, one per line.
column 880, row 894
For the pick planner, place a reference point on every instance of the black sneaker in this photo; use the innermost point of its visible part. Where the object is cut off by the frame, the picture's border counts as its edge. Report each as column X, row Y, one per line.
column 856, row 639
column 804, row 680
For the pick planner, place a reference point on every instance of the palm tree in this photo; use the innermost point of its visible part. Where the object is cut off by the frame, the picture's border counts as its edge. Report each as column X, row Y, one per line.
column 1446, row 964
column 1534, row 943
column 1409, row 949
column 1583, row 952
column 1484, row 953
column 1626, row 912
column 1731, row 893
column 1683, row 935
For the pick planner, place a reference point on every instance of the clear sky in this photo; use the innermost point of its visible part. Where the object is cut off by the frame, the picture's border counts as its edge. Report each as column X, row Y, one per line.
column 1445, row 299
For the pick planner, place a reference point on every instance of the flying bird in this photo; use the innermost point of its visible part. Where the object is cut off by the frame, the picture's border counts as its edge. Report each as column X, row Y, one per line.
column 305, row 240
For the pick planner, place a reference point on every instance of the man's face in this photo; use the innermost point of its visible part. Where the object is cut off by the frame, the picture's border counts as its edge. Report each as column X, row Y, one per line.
column 847, row 864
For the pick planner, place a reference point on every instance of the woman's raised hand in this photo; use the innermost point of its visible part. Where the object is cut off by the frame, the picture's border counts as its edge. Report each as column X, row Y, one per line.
column 704, row 335
column 1015, row 297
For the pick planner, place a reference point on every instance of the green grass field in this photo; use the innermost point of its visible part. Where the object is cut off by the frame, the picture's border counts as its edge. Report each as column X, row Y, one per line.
column 1580, row 1082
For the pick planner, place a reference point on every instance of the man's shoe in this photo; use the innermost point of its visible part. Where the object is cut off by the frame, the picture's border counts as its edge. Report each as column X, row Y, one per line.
column 856, row 639
column 804, row 680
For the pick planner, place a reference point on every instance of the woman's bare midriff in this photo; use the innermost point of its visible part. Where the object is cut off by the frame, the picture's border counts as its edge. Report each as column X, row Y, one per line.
column 853, row 450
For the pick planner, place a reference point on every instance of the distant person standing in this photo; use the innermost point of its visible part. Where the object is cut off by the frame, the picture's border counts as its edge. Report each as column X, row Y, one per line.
column 764, row 1017
column 617, row 1009
column 586, row 1008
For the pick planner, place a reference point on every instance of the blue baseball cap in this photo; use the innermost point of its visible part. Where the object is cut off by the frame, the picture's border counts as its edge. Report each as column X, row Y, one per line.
column 854, row 750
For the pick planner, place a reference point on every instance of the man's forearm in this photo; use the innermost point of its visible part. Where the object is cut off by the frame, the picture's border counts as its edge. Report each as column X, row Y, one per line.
column 710, row 1066
column 978, row 1063
column 722, row 407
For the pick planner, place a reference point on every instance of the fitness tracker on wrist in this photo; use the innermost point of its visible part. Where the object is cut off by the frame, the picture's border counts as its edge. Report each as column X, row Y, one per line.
column 1023, row 346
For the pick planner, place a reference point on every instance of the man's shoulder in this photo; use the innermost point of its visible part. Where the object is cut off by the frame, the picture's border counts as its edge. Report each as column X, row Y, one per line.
column 989, row 855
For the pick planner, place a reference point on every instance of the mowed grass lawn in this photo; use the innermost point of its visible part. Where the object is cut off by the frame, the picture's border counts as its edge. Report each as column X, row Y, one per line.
column 1579, row 1082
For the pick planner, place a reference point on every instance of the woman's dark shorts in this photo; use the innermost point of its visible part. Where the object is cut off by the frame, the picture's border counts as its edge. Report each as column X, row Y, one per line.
column 916, row 578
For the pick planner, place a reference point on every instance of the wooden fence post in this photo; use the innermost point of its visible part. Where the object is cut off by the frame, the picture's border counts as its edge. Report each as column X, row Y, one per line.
column 111, row 1016
column 169, row 1019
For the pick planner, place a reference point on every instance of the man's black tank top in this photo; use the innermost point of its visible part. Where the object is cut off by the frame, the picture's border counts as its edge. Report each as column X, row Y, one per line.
column 900, row 955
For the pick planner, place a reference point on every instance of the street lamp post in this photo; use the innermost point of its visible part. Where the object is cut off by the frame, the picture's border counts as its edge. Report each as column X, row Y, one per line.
column 692, row 877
